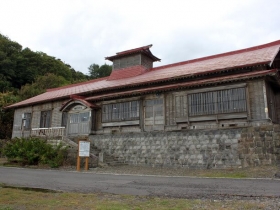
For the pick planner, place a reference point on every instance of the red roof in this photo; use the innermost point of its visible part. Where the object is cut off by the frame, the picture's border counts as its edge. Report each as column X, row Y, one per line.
column 144, row 50
column 131, row 71
column 209, row 81
column 263, row 54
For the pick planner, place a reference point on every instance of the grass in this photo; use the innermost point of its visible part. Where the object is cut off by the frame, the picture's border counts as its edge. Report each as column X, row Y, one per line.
column 250, row 172
column 13, row 198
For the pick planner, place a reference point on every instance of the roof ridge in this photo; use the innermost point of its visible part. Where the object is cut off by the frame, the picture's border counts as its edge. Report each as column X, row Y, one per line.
column 258, row 47
column 134, row 49
column 77, row 84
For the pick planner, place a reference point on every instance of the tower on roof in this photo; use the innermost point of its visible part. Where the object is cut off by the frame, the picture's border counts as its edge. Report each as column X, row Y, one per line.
column 141, row 56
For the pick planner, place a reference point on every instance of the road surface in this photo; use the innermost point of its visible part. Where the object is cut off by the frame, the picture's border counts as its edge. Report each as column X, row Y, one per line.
column 183, row 187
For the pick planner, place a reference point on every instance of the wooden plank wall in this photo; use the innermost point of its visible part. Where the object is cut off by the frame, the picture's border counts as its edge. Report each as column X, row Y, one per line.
column 271, row 103
column 277, row 106
column 257, row 100
column 17, row 132
column 177, row 105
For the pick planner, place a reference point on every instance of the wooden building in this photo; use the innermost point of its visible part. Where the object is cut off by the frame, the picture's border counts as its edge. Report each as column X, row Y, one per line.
column 195, row 113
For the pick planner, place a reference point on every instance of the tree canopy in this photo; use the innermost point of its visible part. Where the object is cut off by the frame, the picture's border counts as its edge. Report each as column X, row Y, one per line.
column 25, row 73
column 96, row 71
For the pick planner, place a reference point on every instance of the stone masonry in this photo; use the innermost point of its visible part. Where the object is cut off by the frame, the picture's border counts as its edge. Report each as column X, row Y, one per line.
column 225, row 148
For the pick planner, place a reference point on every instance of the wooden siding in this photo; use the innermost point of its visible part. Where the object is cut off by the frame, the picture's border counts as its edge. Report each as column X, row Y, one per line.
column 271, row 103
column 146, row 62
column 175, row 109
column 36, row 116
column 257, row 100
column 56, row 114
column 127, row 61
column 17, row 125
column 277, row 108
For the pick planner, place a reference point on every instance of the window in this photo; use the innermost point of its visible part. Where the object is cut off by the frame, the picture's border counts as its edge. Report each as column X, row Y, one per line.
column 120, row 111
column 64, row 119
column 26, row 121
column 217, row 102
column 154, row 111
column 45, row 121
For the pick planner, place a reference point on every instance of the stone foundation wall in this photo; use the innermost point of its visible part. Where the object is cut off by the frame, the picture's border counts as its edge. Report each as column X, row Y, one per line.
column 239, row 147
column 259, row 145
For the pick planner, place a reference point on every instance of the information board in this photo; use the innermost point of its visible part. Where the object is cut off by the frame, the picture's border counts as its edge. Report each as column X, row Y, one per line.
column 84, row 148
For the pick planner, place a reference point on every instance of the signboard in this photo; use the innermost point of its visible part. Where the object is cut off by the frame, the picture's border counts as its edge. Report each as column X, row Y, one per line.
column 84, row 148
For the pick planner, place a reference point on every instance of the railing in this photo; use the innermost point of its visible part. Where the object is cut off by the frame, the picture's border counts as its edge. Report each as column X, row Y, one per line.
column 52, row 132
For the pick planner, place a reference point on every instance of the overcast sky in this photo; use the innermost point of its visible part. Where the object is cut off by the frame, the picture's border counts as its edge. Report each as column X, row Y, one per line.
column 84, row 32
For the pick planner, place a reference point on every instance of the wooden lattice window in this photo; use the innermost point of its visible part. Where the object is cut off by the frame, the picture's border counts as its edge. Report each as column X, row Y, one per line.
column 216, row 102
column 120, row 111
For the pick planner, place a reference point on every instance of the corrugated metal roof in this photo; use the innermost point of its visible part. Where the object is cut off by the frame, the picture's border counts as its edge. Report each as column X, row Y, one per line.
column 263, row 54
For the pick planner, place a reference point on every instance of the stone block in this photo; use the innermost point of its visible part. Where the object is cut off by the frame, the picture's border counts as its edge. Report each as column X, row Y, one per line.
column 199, row 157
column 276, row 128
column 215, row 146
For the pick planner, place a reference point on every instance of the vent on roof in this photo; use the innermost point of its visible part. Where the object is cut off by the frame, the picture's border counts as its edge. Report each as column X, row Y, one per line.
column 131, row 63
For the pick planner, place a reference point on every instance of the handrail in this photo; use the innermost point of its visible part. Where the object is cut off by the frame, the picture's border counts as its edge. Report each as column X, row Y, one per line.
column 48, row 132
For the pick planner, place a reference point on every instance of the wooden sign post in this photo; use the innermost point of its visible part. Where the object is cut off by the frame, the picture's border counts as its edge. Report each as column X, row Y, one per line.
column 83, row 151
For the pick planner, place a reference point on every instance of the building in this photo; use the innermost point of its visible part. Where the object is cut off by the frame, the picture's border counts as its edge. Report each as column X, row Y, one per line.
column 216, row 111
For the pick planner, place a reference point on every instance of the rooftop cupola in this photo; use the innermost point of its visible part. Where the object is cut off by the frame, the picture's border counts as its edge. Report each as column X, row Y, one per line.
column 132, row 62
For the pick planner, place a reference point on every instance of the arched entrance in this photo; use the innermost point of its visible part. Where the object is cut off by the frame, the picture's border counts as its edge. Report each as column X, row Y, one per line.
column 78, row 117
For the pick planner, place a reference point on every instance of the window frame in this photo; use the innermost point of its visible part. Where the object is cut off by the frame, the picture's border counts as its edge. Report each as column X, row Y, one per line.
column 64, row 119
column 121, row 111
column 26, row 120
column 46, row 119
column 223, row 101
column 153, row 107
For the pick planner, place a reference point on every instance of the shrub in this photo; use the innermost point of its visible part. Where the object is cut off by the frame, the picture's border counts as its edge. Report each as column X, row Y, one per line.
column 34, row 151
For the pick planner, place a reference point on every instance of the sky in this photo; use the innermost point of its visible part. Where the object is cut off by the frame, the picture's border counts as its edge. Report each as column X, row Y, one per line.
column 84, row 32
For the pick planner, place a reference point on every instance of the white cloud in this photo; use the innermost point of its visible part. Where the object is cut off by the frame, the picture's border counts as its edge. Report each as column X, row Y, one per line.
column 84, row 32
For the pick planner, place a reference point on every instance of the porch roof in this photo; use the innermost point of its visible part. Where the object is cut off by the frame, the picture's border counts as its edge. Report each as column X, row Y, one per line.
column 259, row 55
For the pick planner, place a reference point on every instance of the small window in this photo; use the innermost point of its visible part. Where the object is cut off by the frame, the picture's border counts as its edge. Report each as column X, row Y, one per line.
column 64, row 119
column 26, row 121
column 45, row 121
column 84, row 117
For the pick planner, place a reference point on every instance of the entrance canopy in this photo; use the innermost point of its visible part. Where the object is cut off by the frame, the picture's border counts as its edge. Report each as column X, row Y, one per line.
column 77, row 100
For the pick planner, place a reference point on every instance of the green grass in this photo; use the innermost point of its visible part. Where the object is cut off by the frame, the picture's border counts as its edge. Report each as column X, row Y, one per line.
column 12, row 198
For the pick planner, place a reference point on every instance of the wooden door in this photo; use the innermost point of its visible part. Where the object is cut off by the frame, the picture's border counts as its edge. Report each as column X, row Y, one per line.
column 79, row 123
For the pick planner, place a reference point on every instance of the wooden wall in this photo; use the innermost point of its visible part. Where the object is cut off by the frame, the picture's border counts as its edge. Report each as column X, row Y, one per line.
column 17, row 126
column 175, row 109
column 128, row 61
column 35, row 111
column 258, row 100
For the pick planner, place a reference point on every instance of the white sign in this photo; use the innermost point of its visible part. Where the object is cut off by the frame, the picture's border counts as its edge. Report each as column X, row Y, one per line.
column 84, row 148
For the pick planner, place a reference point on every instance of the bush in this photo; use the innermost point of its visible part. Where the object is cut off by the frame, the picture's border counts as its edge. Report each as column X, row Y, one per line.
column 2, row 143
column 34, row 151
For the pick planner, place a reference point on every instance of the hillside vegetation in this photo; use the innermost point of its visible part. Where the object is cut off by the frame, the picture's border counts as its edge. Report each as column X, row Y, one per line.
column 24, row 74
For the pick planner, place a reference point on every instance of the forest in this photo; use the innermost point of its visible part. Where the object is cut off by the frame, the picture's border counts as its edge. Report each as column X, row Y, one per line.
column 25, row 73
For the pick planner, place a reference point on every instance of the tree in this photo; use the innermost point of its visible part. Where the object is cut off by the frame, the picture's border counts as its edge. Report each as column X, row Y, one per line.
column 6, row 116
column 41, row 84
column 97, row 72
